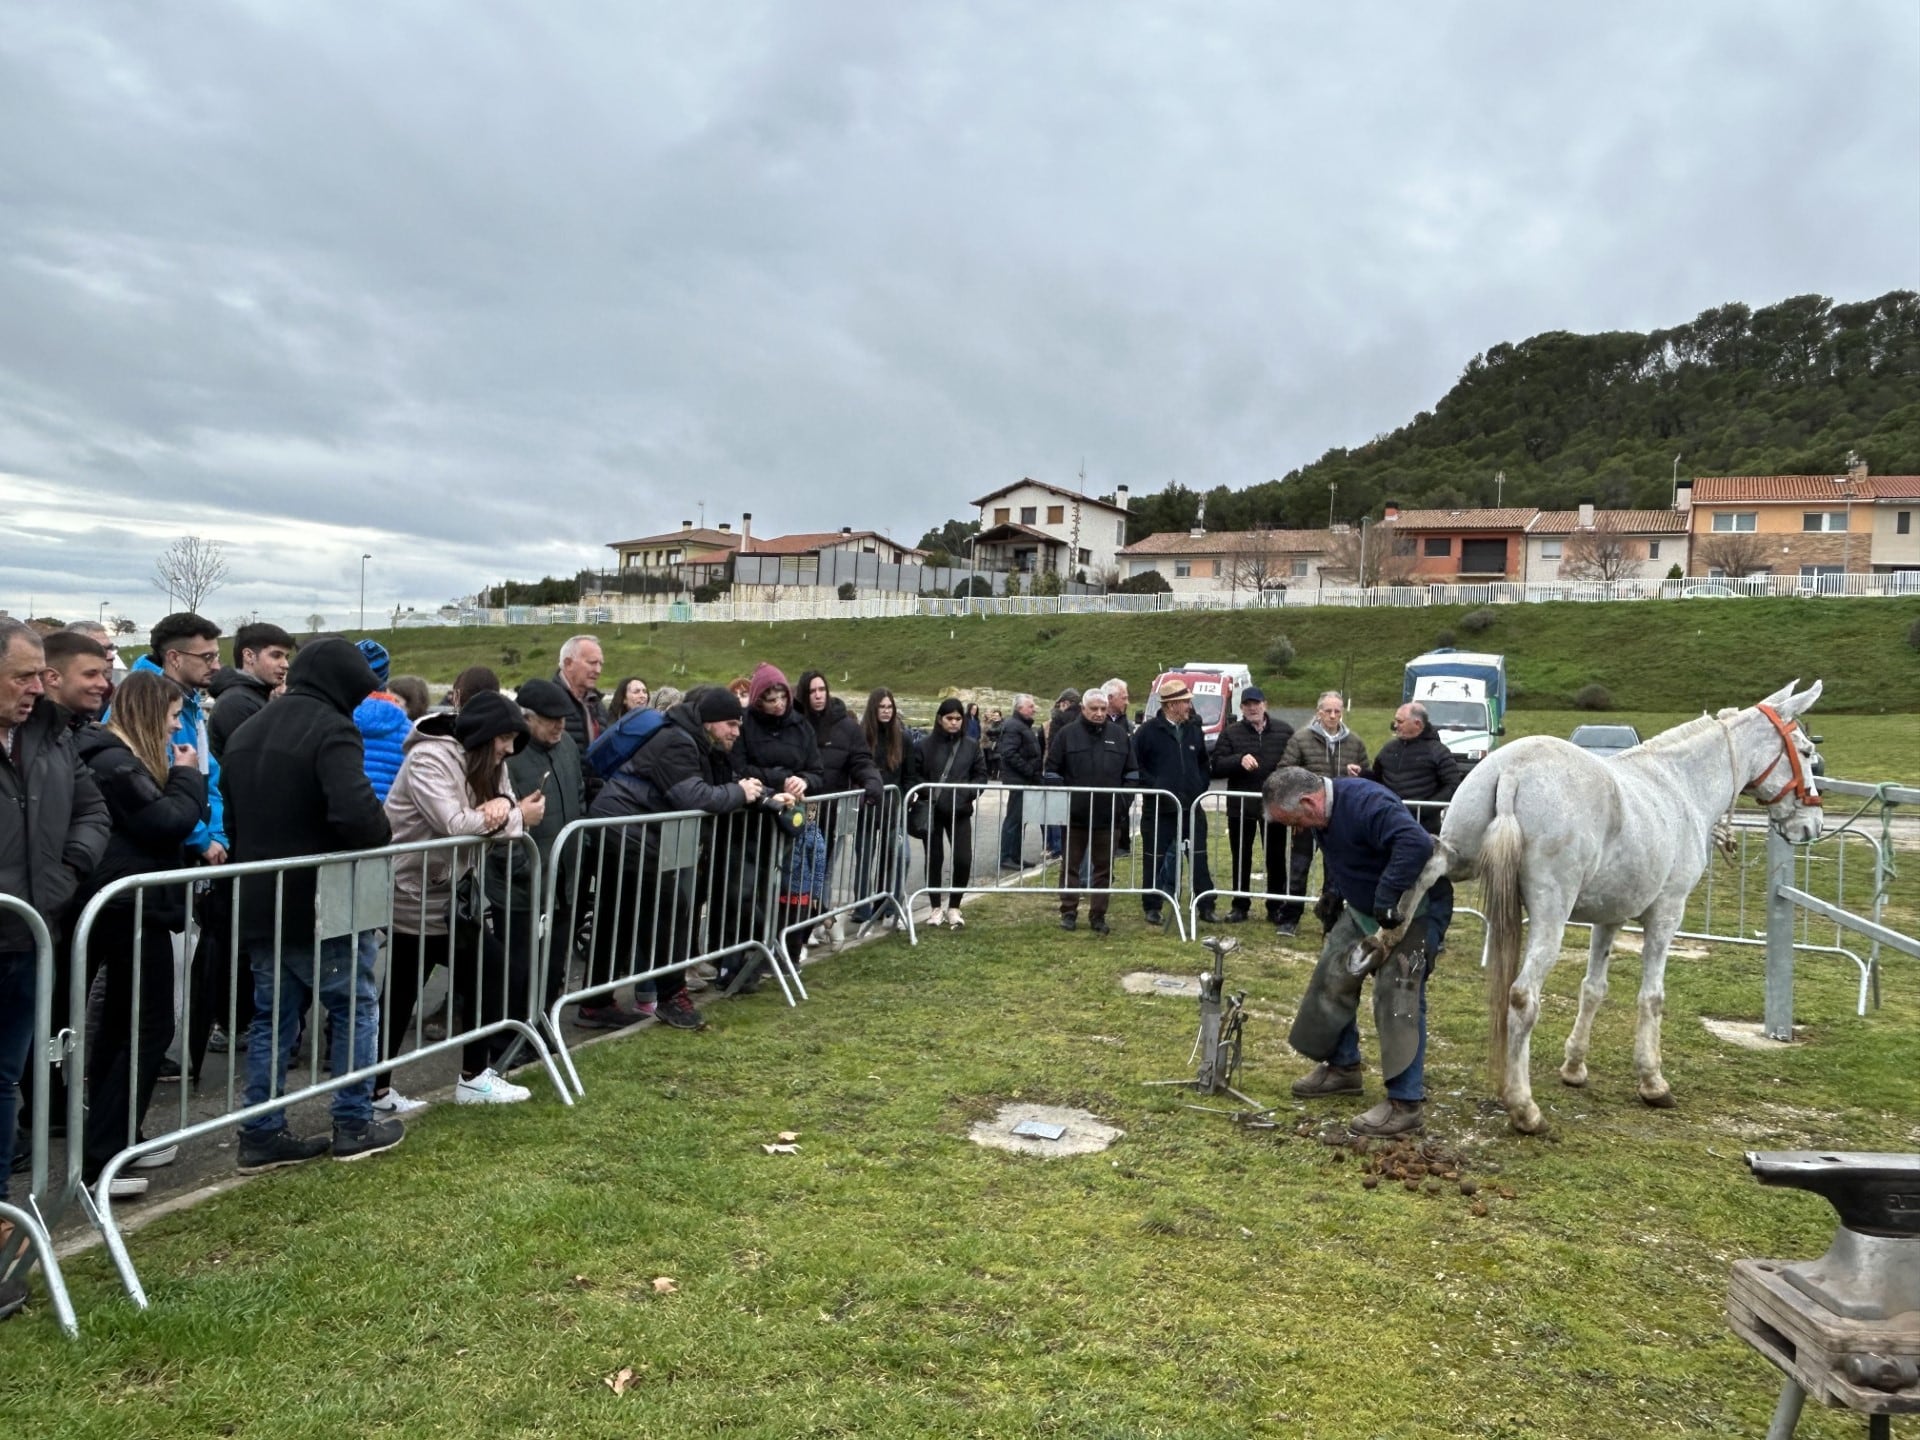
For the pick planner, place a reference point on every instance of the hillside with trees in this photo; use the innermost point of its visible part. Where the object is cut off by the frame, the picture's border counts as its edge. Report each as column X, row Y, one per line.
column 1792, row 388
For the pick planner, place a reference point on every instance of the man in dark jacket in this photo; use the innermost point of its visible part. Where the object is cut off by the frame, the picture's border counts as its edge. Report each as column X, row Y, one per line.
column 1021, row 763
column 1374, row 851
column 296, row 784
column 53, row 831
column 1326, row 747
column 1416, row 765
column 686, row 765
column 1091, row 752
column 1247, row 752
column 581, row 661
column 261, row 653
column 550, row 764
column 1170, row 752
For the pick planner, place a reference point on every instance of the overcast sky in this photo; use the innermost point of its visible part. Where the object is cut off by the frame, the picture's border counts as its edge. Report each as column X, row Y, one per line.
column 479, row 287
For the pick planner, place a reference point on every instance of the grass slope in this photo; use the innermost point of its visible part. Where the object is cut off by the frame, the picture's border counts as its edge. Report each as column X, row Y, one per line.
column 1675, row 656
column 893, row 1280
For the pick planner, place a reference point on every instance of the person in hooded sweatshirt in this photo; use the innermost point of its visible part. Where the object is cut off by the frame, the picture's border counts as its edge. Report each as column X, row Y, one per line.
column 295, row 785
column 261, row 654
column 455, row 782
column 155, row 794
column 778, row 748
column 947, row 759
column 1329, row 749
column 383, row 723
column 846, row 763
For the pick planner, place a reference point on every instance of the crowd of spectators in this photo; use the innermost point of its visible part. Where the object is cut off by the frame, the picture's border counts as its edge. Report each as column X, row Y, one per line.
column 310, row 748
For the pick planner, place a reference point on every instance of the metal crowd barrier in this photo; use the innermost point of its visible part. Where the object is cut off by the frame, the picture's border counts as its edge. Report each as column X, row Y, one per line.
column 30, row 1221
column 1048, row 808
column 1221, row 859
column 653, row 894
column 354, row 899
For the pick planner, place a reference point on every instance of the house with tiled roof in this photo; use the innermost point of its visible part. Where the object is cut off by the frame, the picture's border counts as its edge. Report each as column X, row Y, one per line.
column 1895, row 545
column 1591, row 544
column 1445, row 546
column 1809, row 525
column 1034, row 527
column 1254, row 561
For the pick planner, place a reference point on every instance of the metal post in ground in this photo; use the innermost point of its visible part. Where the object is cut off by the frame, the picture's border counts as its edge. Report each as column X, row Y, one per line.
column 1778, row 1016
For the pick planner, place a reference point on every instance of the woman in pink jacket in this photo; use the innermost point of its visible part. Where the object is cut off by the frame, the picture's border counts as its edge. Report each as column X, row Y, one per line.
column 454, row 781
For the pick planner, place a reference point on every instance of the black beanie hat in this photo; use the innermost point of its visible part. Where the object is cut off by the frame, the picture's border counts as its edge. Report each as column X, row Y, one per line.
column 719, row 704
column 486, row 715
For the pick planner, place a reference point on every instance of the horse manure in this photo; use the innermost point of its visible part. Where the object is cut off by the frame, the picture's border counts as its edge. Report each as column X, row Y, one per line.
column 1479, row 1208
column 1507, row 1192
column 1369, row 1182
column 1413, row 1185
column 1339, row 1155
column 1434, row 1187
column 1469, row 1187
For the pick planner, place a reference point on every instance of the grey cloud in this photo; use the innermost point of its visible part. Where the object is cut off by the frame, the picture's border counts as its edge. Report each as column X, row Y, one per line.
column 485, row 289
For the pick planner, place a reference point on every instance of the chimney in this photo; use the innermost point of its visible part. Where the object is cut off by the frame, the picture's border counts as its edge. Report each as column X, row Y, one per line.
column 1586, row 515
column 1856, row 469
column 726, row 527
column 746, row 531
column 1390, row 510
column 1197, row 531
column 686, row 524
column 1120, row 497
column 1683, row 496
column 846, row 530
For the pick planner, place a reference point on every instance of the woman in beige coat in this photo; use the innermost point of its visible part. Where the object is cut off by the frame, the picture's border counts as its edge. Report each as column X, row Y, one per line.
column 454, row 782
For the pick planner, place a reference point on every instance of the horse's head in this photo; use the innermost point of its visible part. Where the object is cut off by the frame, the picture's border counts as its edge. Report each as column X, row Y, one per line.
column 1783, row 780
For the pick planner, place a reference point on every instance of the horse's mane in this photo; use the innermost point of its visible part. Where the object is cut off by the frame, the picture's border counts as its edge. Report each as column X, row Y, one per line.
column 1683, row 734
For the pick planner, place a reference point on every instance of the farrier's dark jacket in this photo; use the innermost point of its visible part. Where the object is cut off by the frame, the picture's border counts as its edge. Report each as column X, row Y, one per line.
column 295, row 783
column 1239, row 740
column 1372, row 847
column 1418, row 769
column 53, row 823
column 151, row 822
column 1082, row 754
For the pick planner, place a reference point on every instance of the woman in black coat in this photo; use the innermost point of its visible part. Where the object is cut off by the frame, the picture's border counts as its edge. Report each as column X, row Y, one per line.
column 155, row 795
column 948, row 757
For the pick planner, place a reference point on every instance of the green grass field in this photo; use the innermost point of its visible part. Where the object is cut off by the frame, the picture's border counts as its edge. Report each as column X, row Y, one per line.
column 1666, row 656
column 893, row 1280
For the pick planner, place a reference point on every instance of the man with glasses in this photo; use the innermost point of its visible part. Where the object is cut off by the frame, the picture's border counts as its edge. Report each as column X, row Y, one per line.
column 1329, row 749
column 185, row 648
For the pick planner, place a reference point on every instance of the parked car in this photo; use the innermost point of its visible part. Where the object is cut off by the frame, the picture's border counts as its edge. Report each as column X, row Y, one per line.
column 1605, row 740
column 1710, row 590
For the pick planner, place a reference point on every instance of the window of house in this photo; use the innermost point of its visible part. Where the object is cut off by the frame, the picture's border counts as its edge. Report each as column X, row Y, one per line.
column 1027, row 513
column 1182, row 569
column 1120, row 532
column 1056, row 514
column 1299, row 567
column 1437, row 545
column 1086, row 557
column 1001, row 515
column 1552, row 549
column 1818, row 521
column 1653, row 549
column 1742, row 521
column 1903, row 522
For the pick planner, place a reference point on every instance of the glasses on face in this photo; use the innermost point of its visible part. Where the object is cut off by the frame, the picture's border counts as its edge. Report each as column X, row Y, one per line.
column 205, row 657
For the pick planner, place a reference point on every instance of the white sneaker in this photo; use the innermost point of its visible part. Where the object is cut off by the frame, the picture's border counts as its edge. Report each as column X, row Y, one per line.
column 394, row 1103
column 126, row 1186
column 934, row 919
column 490, row 1088
column 955, row 918
column 837, row 932
column 154, row 1159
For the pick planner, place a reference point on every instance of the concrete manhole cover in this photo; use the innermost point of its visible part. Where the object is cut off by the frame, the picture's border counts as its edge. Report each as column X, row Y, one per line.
column 1745, row 1033
column 1080, row 1133
column 1149, row 982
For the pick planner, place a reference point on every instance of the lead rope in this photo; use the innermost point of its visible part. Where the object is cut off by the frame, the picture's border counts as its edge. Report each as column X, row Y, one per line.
column 1723, row 836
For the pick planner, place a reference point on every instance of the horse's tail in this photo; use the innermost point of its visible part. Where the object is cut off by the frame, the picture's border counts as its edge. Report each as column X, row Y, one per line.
column 1500, row 881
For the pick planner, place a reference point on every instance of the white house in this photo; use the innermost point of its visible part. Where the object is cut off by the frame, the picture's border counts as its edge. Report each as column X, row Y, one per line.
column 1197, row 561
column 1033, row 527
column 1589, row 544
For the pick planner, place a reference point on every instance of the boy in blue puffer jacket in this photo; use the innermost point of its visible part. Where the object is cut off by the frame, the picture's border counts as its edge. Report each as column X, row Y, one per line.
column 383, row 722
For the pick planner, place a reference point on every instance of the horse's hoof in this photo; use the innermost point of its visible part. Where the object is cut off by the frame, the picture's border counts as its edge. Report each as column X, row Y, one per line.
column 1574, row 1075
column 1661, row 1099
column 1530, row 1121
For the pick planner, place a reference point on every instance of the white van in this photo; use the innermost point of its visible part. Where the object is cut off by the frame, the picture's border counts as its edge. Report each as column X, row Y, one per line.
column 1241, row 676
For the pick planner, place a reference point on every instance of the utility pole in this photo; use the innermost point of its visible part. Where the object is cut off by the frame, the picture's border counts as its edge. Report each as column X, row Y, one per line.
column 363, row 590
column 1674, row 503
column 1499, row 487
column 103, row 611
column 1332, row 485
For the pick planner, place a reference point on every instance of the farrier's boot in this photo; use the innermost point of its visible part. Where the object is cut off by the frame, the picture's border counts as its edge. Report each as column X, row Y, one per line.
column 1390, row 1118
column 1328, row 1079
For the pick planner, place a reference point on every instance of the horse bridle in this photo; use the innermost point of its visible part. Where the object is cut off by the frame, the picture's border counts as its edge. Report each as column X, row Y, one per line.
column 1797, row 785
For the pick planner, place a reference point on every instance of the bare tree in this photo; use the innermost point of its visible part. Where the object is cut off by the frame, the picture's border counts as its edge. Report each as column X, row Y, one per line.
column 190, row 570
column 1381, row 558
column 1735, row 554
column 1254, row 563
column 1600, row 552
column 316, row 623
column 121, row 625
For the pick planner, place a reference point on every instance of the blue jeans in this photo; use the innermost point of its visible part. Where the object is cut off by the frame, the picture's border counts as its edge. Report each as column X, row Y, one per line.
column 18, row 972
column 1410, row 1083
column 346, row 985
column 1163, row 853
column 1439, row 913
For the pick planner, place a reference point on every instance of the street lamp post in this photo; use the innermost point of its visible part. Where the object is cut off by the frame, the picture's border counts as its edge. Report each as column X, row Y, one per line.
column 363, row 590
column 103, row 610
column 1332, row 486
column 1675, row 502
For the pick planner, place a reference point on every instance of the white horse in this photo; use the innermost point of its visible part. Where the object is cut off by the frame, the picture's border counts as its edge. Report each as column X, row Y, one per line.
column 1607, row 842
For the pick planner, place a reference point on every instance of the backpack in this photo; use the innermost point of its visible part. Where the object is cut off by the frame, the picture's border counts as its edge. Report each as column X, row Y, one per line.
column 621, row 741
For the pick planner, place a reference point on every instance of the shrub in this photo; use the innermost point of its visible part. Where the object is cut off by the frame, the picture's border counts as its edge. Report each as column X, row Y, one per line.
column 1674, row 572
column 1443, row 641
column 849, row 591
column 510, row 658
column 973, row 585
column 1047, row 583
column 1147, row 582
column 1280, row 655
column 1913, row 635
column 1474, row 621
column 1593, row 697
column 711, row 591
